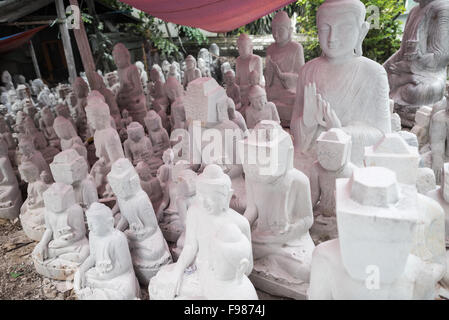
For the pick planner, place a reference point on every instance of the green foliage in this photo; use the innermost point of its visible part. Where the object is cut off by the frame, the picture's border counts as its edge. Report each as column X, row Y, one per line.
column 262, row 26
column 379, row 44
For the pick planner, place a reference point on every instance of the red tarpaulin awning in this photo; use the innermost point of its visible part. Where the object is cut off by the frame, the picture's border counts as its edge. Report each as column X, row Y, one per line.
column 210, row 15
column 14, row 41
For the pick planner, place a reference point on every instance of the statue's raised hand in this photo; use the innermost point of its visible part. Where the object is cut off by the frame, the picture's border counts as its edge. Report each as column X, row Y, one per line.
column 330, row 117
column 311, row 108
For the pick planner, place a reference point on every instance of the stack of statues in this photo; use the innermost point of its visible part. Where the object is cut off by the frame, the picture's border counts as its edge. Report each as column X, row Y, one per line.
column 200, row 181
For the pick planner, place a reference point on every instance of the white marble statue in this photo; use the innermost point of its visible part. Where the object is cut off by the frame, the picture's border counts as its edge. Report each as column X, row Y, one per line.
column 10, row 196
column 70, row 168
column 333, row 90
column 149, row 250
column 64, row 245
column 107, row 273
column 374, row 257
column 194, row 275
column 32, row 212
column 279, row 208
column 68, row 137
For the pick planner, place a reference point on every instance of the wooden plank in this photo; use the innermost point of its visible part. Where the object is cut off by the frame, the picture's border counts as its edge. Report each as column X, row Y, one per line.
column 35, row 64
column 66, row 41
column 84, row 49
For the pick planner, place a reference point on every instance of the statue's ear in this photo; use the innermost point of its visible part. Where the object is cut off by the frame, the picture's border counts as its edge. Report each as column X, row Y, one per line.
column 363, row 32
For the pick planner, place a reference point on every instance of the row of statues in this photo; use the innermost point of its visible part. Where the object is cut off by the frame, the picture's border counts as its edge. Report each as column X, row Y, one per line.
column 198, row 191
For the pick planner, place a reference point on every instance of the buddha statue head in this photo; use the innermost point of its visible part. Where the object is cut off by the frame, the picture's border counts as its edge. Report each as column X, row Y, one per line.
column 69, row 167
column 214, row 189
column 229, row 77
column 376, row 222
column 62, row 110
column 244, row 46
column 257, row 97
column 47, row 116
column 281, row 28
column 111, row 78
column 154, row 75
column 22, row 91
column 121, row 56
column 173, row 89
column 36, row 86
column 98, row 114
column 168, row 156
column 123, row 179
column 26, row 147
column 29, row 172
column 100, row 219
column 80, row 88
column 153, row 121
column 333, row 149
column 59, row 197
column 140, row 66
column 341, row 28
column 165, row 66
column 231, row 251
column 214, row 49
column 135, row 131
column 267, row 153
column 204, row 54
column 190, row 62
column 64, row 128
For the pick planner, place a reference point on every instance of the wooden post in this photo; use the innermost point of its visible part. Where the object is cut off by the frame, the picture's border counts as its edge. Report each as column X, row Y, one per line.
column 85, row 51
column 35, row 64
column 66, row 40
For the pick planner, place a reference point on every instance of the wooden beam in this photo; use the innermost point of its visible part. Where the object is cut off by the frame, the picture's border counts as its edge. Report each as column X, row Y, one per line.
column 66, row 41
column 28, row 23
column 85, row 51
column 35, row 64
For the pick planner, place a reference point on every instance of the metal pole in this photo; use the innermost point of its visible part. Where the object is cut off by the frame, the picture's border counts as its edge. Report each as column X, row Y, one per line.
column 35, row 64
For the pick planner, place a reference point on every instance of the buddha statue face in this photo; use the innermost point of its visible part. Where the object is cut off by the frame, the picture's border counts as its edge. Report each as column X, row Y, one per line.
column 121, row 56
column 257, row 97
column 190, row 63
column 229, row 78
column 165, row 66
column 98, row 115
column 63, row 128
column 341, row 28
column 59, row 197
column 135, row 131
column 154, row 75
column 281, row 28
column 26, row 148
column 153, row 121
column 168, row 156
column 99, row 219
column 213, row 189
column 29, row 172
column 244, row 46
column 123, row 179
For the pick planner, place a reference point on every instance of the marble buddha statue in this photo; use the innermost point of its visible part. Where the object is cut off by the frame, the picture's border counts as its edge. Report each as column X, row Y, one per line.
column 10, row 196
column 138, row 147
column 232, row 89
column 189, row 277
column 63, row 110
column 81, row 91
column 260, row 108
column 70, row 168
column 32, row 212
column 109, row 98
column 417, row 71
column 46, row 126
column 64, row 245
column 149, row 250
column 130, row 94
column 107, row 273
column 279, row 208
column 106, row 139
column 29, row 153
column 245, row 63
column 68, row 137
column 157, row 133
column 285, row 58
column 375, row 255
column 333, row 90
column 192, row 72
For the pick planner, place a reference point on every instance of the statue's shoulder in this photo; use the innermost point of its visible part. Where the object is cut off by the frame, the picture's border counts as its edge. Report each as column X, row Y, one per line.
column 440, row 116
column 312, row 64
column 296, row 176
column 328, row 251
column 371, row 66
column 440, row 6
